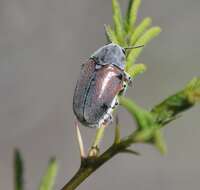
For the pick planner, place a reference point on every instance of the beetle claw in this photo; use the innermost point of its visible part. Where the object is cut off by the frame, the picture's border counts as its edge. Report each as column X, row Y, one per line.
column 116, row 103
column 107, row 119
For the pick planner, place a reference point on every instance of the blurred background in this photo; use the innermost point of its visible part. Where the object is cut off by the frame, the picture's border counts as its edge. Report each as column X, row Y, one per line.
column 42, row 45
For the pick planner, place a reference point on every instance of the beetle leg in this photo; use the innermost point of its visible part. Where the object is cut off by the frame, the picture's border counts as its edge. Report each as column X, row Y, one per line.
column 124, row 88
column 128, row 79
column 114, row 103
column 125, row 77
column 107, row 119
column 125, row 85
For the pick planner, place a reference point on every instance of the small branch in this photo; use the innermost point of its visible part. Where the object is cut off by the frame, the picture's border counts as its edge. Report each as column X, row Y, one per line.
column 171, row 107
column 80, row 141
column 89, row 167
column 124, row 33
column 92, row 165
column 117, row 131
column 94, row 151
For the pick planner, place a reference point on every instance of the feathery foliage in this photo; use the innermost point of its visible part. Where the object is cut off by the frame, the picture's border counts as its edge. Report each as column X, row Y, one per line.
column 125, row 32
column 47, row 181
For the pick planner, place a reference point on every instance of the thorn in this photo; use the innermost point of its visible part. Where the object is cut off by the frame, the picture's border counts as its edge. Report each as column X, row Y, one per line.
column 80, row 141
column 117, row 130
column 160, row 142
column 129, row 151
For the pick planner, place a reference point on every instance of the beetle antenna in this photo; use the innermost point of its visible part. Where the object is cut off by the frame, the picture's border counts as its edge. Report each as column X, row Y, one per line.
column 133, row 47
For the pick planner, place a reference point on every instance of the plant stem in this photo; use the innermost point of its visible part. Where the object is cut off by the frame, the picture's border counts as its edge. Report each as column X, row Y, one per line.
column 94, row 150
column 79, row 177
column 89, row 165
column 99, row 136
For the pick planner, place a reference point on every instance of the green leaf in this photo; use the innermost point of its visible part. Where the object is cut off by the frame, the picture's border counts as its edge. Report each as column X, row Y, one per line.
column 193, row 90
column 143, row 40
column 137, row 69
column 117, row 19
column 140, row 29
column 129, row 151
column 143, row 118
column 148, row 130
column 132, row 13
column 18, row 170
column 170, row 108
column 144, row 135
column 48, row 180
column 111, row 34
column 159, row 141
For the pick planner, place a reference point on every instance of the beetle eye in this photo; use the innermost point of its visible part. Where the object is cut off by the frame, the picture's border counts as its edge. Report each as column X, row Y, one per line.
column 123, row 50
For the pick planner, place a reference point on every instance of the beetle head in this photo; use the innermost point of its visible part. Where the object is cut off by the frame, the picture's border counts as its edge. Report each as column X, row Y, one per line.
column 110, row 54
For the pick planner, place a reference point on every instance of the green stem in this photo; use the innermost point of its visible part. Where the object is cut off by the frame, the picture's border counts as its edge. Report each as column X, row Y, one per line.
column 94, row 150
column 99, row 136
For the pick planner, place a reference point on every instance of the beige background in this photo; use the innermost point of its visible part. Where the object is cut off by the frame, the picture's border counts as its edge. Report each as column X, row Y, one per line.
column 42, row 45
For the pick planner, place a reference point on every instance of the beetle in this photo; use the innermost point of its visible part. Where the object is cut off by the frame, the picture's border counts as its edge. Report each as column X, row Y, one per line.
column 101, row 80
